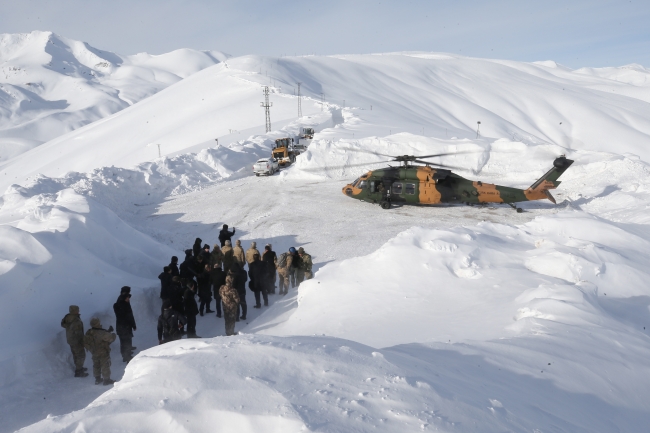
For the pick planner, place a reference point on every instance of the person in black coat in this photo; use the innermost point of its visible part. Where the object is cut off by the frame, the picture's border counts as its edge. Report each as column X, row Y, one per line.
column 217, row 279
column 191, row 309
column 225, row 234
column 257, row 271
column 187, row 267
column 196, row 248
column 176, row 291
column 206, row 254
column 270, row 258
column 205, row 292
column 124, row 325
column 165, row 278
column 239, row 283
column 173, row 265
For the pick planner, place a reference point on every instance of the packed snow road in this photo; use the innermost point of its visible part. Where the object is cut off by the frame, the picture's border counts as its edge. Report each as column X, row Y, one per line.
column 311, row 213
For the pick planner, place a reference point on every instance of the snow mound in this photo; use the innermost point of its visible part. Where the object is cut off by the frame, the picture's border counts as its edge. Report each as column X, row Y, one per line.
column 60, row 248
column 51, row 85
column 266, row 384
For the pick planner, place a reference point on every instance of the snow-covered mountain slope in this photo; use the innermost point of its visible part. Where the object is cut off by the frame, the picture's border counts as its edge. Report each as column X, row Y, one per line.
column 433, row 95
column 463, row 307
column 51, row 85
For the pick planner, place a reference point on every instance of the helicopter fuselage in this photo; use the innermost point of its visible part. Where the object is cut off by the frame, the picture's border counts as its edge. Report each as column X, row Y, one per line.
column 427, row 185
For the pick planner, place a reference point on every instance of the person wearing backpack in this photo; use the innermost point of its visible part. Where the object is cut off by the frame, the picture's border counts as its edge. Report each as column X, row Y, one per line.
column 285, row 269
column 170, row 324
column 304, row 269
column 98, row 342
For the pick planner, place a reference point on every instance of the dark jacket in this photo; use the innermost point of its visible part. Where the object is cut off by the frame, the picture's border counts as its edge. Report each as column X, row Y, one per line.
column 204, row 282
column 225, row 235
column 176, row 296
column 124, row 320
column 187, row 267
column 239, row 279
column 197, row 247
column 217, row 279
column 168, row 325
column 189, row 301
column 269, row 257
column 174, row 268
column 165, row 282
column 257, row 271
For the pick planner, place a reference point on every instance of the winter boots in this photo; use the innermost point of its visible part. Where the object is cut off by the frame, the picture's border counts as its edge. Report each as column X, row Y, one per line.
column 108, row 382
column 80, row 373
column 98, row 380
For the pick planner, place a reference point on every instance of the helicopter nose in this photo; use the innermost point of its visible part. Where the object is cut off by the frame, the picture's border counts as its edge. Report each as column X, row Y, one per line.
column 347, row 189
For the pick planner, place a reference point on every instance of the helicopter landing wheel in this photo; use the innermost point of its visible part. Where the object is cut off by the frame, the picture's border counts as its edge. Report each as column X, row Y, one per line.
column 519, row 210
column 385, row 205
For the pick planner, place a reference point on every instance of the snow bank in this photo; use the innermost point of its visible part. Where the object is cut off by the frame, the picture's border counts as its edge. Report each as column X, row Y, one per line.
column 266, row 384
column 60, row 248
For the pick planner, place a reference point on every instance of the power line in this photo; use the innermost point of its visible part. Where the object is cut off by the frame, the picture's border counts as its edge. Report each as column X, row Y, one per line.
column 267, row 105
column 299, row 101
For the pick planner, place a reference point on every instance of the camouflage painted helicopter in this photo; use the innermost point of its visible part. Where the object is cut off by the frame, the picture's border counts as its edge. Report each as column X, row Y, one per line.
column 433, row 183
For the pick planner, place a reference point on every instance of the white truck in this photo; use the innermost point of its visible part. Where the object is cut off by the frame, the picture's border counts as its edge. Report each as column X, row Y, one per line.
column 266, row 166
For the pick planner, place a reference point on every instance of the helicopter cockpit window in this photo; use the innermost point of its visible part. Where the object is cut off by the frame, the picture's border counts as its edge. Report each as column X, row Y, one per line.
column 362, row 184
column 355, row 182
column 397, row 188
column 410, row 188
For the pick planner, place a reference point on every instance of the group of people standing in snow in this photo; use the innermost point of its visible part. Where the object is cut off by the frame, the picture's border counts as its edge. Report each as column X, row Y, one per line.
column 97, row 340
column 219, row 272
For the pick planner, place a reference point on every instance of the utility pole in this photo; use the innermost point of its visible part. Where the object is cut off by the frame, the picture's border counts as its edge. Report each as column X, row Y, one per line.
column 322, row 101
column 478, row 126
column 299, row 101
column 267, row 105
column 159, row 155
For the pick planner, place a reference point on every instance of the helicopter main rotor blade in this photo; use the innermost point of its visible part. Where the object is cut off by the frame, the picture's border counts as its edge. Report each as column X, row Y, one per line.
column 447, row 153
column 351, row 149
column 334, row 167
column 451, row 167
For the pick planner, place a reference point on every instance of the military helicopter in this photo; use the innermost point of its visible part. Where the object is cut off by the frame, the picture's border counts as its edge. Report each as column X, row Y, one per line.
column 433, row 183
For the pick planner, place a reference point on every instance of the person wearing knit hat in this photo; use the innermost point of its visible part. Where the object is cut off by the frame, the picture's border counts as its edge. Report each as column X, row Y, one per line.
column 304, row 271
column 238, row 254
column 74, row 335
column 98, row 342
column 271, row 259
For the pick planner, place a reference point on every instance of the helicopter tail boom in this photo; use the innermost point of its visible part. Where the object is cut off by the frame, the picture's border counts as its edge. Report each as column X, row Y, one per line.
column 540, row 189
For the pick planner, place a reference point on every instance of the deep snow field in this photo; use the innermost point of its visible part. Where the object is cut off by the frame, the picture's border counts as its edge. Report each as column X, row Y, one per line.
column 446, row 318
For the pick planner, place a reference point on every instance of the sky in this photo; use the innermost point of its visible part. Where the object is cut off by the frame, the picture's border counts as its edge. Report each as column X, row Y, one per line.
column 574, row 33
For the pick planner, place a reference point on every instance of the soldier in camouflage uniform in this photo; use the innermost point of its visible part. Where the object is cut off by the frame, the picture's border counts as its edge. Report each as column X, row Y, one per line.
column 74, row 335
column 230, row 301
column 238, row 254
column 304, row 268
column 285, row 269
column 98, row 342
column 228, row 258
column 250, row 253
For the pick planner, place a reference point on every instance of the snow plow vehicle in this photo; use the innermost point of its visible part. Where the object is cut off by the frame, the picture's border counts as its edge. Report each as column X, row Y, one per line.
column 285, row 151
column 305, row 138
